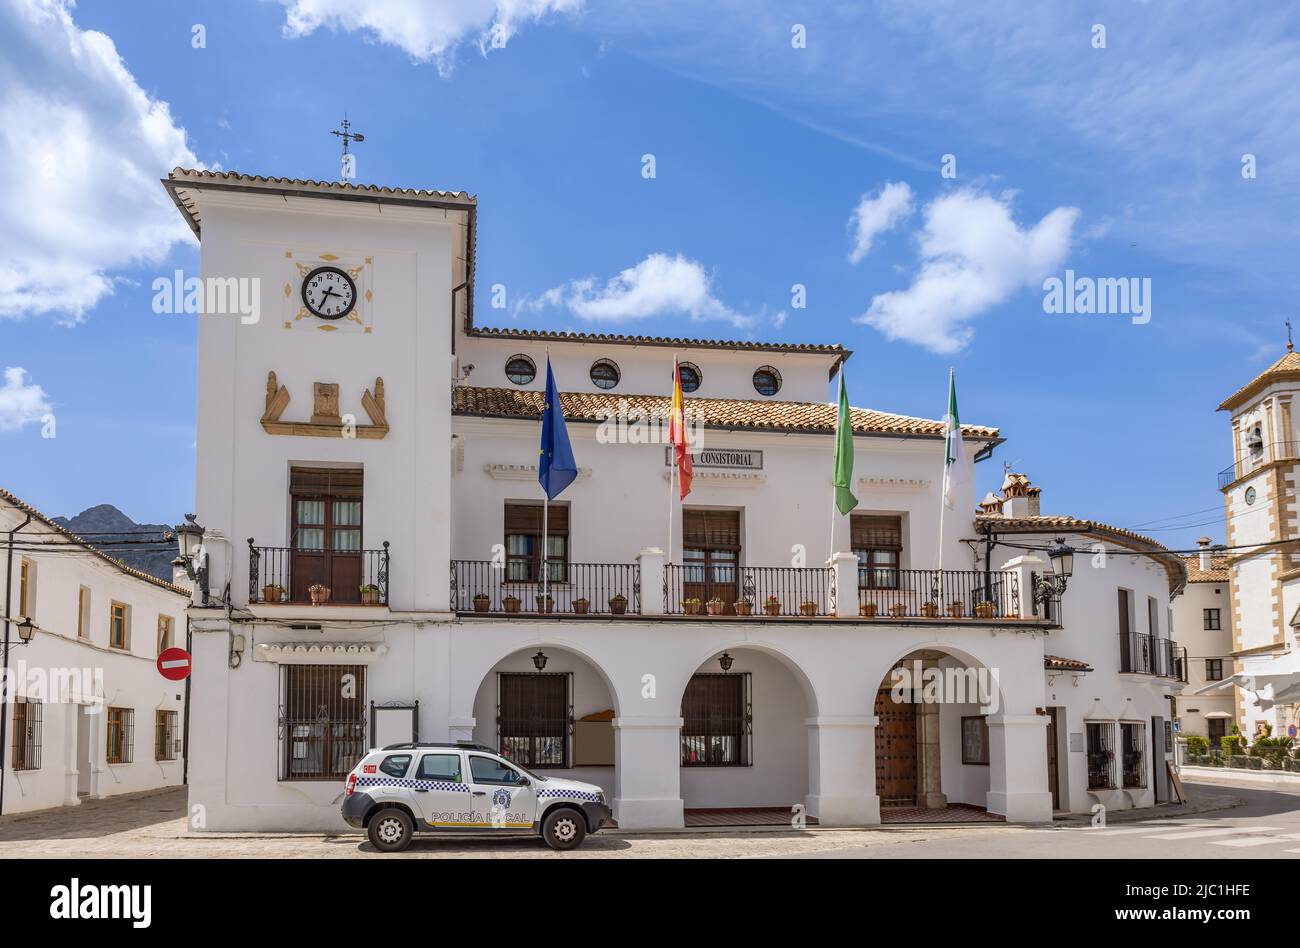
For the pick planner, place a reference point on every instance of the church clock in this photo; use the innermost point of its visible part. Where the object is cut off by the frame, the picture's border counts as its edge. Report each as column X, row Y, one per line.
column 329, row 293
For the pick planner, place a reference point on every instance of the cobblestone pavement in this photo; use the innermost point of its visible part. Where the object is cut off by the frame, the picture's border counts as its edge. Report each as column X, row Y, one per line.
column 153, row 825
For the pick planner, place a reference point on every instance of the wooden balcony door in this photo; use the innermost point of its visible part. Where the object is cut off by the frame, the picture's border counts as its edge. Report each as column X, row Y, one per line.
column 711, row 556
column 326, row 540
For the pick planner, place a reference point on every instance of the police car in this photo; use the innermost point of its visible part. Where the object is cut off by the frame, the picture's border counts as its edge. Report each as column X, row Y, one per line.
column 404, row 789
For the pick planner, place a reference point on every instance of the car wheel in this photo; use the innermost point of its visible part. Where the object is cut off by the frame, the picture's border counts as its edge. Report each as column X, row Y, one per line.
column 564, row 829
column 390, row 830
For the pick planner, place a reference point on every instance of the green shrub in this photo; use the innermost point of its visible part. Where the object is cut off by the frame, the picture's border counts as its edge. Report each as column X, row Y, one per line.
column 1230, row 745
column 1197, row 745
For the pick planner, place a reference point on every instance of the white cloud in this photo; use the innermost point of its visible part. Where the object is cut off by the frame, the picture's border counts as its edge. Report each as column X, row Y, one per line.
column 82, row 147
column 427, row 30
column 973, row 256
column 876, row 214
column 21, row 403
column 658, row 286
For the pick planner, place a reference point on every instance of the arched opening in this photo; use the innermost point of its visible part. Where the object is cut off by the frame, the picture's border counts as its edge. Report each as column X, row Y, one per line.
column 556, row 719
column 744, row 742
column 932, row 744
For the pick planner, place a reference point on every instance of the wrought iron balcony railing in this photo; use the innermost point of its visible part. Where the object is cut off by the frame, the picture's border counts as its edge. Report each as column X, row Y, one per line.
column 278, row 574
column 931, row 594
column 571, row 588
column 726, row 589
column 1143, row 654
column 1254, row 458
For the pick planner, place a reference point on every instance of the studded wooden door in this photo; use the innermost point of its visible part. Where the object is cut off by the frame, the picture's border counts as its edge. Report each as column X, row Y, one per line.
column 895, row 750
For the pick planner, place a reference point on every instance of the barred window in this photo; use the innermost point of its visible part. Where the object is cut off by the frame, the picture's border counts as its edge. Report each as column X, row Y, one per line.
column 322, row 721
column 27, row 734
column 1101, row 757
column 1132, row 737
column 975, row 739
column 534, row 717
column 120, row 745
column 166, row 736
column 717, row 723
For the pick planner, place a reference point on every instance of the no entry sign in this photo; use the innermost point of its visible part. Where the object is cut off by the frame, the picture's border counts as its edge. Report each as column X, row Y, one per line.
column 174, row 664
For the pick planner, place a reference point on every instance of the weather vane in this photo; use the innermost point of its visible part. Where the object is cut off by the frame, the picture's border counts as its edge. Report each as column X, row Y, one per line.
column 1289, row 345
column 348, row 136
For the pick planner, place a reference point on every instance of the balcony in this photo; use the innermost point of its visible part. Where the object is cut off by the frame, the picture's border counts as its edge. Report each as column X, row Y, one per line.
column 1142, row 654
column 283, row 575
column 1253, row 460
column 725, row 590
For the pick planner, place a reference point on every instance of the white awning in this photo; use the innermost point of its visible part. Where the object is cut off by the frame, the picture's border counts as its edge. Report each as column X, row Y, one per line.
column 318, row 653
column 1216, row 715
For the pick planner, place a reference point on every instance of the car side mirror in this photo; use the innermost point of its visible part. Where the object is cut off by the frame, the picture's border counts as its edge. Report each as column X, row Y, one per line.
column 524, row 781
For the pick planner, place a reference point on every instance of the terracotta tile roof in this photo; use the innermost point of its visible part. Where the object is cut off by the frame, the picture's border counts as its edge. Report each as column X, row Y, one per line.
column 1056, row 663
column 27, row 508
column 1045, row 523
column 1285, row 369
column 1218, row 572
column 176, row 180
column 544, row 335
column 726, row 413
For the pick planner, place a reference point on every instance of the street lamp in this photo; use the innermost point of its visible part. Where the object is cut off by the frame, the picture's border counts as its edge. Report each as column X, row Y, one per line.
column 189, row 538
column 1051, row 586
column 726, row 661
column 539, row 660
column 26, row 629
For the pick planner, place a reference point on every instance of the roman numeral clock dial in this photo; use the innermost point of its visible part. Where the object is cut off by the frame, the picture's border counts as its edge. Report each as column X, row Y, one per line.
column 329, row 293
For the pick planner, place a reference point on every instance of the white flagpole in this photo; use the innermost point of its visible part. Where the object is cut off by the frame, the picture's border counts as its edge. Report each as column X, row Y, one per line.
column 831, row 545
column 545, row 564
column 672, row 467
column 943, row 499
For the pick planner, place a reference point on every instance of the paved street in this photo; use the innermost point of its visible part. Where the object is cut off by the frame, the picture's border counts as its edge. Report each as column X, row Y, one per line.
column 1266, row 825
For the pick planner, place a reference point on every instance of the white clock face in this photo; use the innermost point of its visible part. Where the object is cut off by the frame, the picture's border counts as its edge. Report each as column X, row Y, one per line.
column 329, row 293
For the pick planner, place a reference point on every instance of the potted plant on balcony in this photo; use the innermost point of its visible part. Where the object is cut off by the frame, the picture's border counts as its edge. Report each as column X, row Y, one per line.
column 618, row 604
column 319, row 593
column 511, row 603
column 482, row 601
column 743, row 607
column 272, row 592
column 898, row 610
column 715, row 606
column 808, row 608
column 930, row 609
column 691, row 606
column 868, row 609
column 956, row 609
column 771, row 606
column 370, row 595
column 545, row 603
column 581, row 606
column 984, row 610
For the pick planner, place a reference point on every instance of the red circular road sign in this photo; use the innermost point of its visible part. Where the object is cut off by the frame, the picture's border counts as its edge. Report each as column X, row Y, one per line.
column 174, row 664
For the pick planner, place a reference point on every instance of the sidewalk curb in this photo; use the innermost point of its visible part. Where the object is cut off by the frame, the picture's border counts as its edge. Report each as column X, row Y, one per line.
column 1164, row 811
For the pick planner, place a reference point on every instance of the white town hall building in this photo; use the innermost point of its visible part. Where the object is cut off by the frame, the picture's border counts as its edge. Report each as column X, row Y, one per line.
column 366, row 444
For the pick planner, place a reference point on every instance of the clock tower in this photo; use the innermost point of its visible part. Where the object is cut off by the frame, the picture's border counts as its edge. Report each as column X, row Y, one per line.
column 1261, row 493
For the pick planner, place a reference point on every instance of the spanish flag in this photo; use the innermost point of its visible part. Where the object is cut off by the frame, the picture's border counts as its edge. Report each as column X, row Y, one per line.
column 677, row 434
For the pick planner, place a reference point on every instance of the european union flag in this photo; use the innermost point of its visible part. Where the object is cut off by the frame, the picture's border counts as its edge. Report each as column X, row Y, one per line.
column 556, row 468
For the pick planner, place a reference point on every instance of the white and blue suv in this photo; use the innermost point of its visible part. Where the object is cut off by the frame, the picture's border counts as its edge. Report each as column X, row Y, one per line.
column 404, row 789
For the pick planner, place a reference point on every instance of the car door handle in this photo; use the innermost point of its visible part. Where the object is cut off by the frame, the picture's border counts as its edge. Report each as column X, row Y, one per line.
column 480, row 793
column 421, row 789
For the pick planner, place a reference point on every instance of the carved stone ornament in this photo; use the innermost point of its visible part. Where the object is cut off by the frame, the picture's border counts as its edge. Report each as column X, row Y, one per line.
column 326, row 420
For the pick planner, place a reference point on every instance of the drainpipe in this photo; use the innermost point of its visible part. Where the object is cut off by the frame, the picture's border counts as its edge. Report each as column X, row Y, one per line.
column 4, row 679
column 185, row 735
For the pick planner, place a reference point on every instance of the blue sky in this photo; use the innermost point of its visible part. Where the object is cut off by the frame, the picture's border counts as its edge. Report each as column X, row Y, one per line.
column 1122, row 161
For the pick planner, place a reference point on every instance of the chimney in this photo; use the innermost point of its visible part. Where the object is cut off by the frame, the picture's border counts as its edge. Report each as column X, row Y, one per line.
column 991, row 505
column 1022, row 499
column 1207, row 559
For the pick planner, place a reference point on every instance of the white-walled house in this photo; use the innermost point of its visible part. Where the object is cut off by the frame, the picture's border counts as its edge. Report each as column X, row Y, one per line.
column 1263, row 520
column 372, row 444
column 87, row 714
column 1203, row 624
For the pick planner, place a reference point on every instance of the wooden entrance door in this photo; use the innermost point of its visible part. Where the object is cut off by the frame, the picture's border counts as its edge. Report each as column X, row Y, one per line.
column 326, row 541
column 895, row 750
column 711, row 556
column 1053, row 771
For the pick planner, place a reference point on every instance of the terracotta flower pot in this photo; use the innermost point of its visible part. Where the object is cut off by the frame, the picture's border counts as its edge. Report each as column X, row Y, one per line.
column 481, row 603
column 319, row 594
column 691, row 608
column 545, row 604
column 272, row 593
column 715, row 608
column 510, row 603
column 897, row 610
column 807, row 608
column 930, row 610
column 984, row 610
column 370, row 597
column 581, row 606
column 618, row 607
column 771, row 608
column 868, row 609
column 956, row 609
column 744, row 608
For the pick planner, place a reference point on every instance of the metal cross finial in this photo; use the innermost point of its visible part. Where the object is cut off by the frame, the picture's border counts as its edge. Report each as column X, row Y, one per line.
column 1290, row 347
column 347, row 135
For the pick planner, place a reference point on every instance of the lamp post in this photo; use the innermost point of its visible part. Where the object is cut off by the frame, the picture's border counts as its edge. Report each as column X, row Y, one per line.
column 193, row 556
column 26, row 630
column 539, row 660
column 725, row 661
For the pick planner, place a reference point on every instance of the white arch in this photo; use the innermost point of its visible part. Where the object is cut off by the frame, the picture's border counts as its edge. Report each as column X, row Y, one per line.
column 782, row 656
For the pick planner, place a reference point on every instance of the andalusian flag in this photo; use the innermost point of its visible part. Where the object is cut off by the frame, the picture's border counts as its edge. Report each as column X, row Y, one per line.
column 844, row 499
column 956, row 465
column 677, row 434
